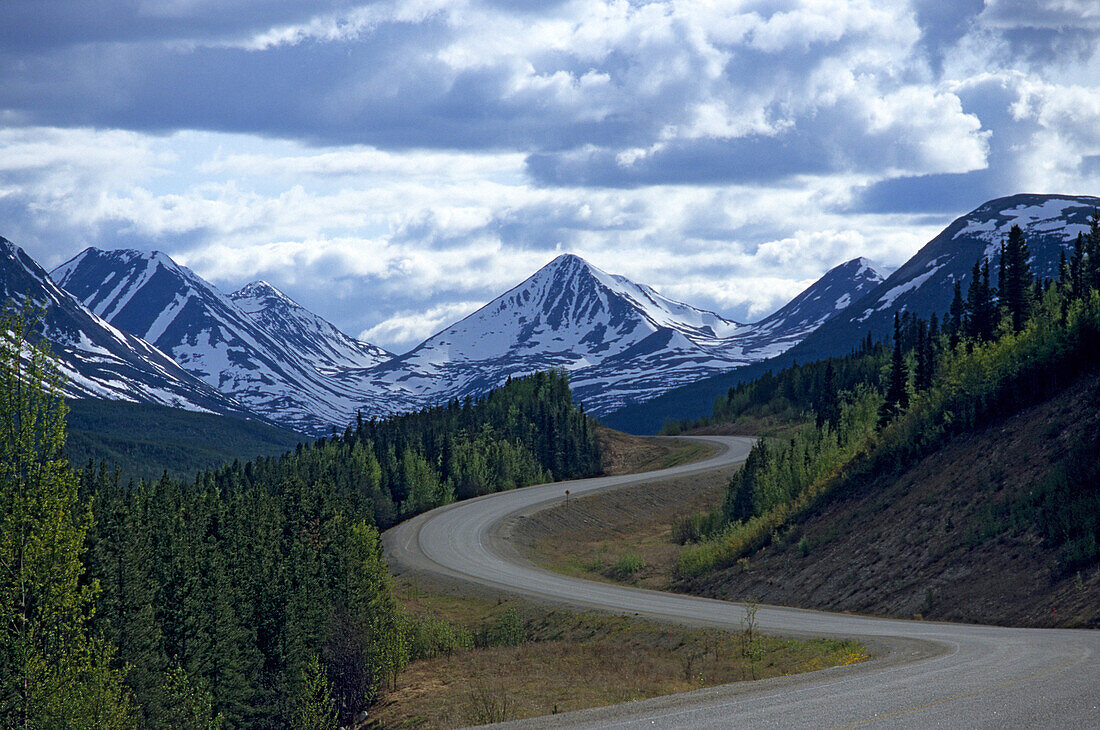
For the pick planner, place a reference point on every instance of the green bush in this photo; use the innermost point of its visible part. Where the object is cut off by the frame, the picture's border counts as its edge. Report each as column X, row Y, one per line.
column 628, row 565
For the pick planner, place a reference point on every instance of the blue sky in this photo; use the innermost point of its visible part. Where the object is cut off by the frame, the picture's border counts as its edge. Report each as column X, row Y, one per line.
column 394, row 165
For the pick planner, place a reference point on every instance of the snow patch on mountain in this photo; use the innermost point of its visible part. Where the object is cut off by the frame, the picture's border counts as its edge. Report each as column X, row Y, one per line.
column 620, row 341
column 263, row 349
column 97, row 359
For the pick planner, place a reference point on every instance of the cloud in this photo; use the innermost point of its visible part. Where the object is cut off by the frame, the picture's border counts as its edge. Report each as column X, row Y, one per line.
column 393, row 163
column 414, row 326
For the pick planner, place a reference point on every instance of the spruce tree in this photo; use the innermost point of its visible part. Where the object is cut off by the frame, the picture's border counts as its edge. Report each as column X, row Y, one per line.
column 956, row 316
column 1016, row 282
column 981, row 311
column 897, row 393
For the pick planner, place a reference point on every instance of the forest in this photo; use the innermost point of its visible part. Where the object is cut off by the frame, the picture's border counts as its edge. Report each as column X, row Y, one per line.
column 251, row 596
column 1009, row 342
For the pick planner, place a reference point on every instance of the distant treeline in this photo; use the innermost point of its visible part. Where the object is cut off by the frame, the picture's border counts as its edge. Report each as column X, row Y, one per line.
column 254, row 596
column 874, row 413
column 143, row 440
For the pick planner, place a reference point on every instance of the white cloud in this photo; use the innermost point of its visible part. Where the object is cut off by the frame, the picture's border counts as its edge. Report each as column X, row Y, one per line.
column 391, row 187
column 408, row 328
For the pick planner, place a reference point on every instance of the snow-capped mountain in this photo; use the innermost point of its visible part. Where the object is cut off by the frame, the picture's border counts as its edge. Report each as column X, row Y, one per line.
column 832, row 293
column 925, row 283
column 209, row 335
column 622, row 342
column 326, row 348
column 97, row 359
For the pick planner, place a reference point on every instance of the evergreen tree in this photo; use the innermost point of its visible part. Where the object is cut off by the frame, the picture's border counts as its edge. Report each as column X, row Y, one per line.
column 956, row 316
column 897, row 393
column 981, row 312
column 1016, row 283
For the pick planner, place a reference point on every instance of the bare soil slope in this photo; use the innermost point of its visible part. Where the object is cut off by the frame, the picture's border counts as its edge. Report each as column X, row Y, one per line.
column 624, row 453
column 921, row 543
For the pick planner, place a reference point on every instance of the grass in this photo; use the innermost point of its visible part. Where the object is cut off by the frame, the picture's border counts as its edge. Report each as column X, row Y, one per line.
column 624, row 453
column 590, row 536
column 563, row 660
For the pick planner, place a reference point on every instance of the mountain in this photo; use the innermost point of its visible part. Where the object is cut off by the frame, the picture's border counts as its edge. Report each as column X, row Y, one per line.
column 317, row 341
column 923, row 285
column 208, row 334
column 99, row 360
column 620, row 341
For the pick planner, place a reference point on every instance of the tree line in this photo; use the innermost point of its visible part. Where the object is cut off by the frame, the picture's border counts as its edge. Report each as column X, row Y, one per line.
column 252, row 596
column 1006, row 344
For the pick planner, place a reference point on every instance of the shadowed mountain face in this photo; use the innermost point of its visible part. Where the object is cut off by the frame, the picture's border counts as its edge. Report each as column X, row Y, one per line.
column 98, row 359
column 326, row 348
column 282, row 373
column 620, row 341
column 923, row 285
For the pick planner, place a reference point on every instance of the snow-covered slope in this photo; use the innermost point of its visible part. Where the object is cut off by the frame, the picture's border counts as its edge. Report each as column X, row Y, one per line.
column 925, row 283
column 99, row 360
column 622, row 342
column 328, row 349
column 149, row 295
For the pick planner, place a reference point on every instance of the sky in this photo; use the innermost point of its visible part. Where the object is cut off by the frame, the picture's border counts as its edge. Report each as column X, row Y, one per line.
column 393, row 166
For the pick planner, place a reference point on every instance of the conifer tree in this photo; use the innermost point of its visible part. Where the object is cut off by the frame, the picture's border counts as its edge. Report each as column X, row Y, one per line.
column 956, row 316
column 980, row 308
column 897, row 393
column 1016, row 282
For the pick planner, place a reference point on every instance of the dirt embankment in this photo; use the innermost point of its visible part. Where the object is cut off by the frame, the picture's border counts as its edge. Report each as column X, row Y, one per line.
column 914, row 544
column 624, row 453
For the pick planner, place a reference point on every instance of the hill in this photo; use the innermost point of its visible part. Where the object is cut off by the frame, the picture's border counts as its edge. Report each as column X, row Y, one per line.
column 968, row 464
column 954, row 537
column 144, row 440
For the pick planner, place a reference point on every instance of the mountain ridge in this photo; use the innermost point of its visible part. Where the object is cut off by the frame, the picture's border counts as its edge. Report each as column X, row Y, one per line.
column 619, row 340
column 98, row 359
column 213, row 338
column 923, row 285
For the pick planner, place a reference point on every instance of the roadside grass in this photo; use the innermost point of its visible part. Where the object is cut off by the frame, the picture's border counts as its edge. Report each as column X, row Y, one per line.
column 590, row 537
column 558, row 661
column 625, row 453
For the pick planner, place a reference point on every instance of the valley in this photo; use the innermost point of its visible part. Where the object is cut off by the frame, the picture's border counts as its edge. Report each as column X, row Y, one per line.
column 923, row 672
column 945, row 471
column 653, row 364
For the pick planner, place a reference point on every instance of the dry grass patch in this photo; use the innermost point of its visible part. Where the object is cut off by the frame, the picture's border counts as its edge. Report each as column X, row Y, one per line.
column 624, row 453
column 568, row 661
column 597, row 537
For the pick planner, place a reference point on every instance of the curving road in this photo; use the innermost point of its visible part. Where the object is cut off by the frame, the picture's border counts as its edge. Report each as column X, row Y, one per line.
column 925, row 674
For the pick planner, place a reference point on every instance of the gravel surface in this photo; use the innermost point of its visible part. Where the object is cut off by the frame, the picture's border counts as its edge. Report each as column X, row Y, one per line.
column 925, row 674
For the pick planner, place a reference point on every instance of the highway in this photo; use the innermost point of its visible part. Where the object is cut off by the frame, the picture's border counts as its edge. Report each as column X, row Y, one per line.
column 924, row 674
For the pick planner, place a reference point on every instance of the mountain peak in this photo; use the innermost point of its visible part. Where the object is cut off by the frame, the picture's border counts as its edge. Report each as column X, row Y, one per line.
column 568, row 259
column 99, row 360
column 312, row 337
column 567, row 264
column 262, row 290
column 835, row 291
